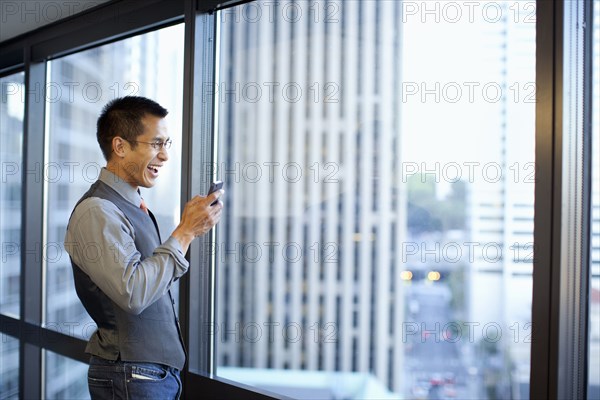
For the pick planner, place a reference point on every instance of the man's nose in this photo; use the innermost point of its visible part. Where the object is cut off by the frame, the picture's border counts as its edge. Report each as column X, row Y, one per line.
column 163, row 154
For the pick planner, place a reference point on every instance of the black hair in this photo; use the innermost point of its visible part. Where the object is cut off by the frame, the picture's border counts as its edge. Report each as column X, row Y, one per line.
column 123, row 117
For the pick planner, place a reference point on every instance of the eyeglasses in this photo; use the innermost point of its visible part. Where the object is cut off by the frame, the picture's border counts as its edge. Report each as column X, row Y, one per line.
column 159, row 144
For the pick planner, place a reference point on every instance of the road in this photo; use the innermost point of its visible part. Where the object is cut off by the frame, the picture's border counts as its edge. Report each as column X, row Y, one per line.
column 436, row 365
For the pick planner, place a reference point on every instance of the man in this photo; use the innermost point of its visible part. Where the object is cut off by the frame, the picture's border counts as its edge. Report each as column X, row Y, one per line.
column 137, row 350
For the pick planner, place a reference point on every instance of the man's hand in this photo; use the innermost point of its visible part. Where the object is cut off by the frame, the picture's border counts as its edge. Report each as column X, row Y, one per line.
column 198, row 218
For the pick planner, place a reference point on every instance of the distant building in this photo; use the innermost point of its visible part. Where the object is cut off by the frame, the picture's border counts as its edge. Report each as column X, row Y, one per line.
column 318, row 105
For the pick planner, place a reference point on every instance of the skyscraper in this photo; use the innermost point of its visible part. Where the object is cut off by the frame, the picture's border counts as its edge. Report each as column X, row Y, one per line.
column 275, row 135
column 309, row 120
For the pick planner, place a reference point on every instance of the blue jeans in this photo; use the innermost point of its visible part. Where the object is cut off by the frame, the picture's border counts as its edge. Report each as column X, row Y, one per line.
column 108, row 380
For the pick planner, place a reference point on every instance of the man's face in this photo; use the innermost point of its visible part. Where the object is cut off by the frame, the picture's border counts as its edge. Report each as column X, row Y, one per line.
column 141, row 165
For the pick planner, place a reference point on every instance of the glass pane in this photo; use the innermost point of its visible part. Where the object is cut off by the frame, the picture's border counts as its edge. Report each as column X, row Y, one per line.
column 65, row 378
column 594, row 320
column 149, row 65
column 9, row 367
column 378, row 160
column 12, row 108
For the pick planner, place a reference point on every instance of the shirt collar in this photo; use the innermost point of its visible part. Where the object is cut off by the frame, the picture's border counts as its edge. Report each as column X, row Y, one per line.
column 128, row 192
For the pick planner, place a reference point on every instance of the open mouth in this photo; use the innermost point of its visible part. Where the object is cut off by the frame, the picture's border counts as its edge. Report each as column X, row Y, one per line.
column 153, row 169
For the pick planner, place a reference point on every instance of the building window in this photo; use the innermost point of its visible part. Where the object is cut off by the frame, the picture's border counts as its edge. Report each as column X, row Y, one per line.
column 345, row 126
column 12, row 110
column 9, row 368
column 153, row 68
column 68, row 379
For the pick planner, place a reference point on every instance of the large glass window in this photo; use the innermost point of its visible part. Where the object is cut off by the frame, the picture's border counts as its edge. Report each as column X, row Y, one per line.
column 378, row 160
column 594, row 319
column 9, row 367
column 79, row 85
column 12, row 107
column 65, row 378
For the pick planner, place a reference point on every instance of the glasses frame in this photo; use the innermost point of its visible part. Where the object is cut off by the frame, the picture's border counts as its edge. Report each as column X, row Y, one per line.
column 166, row 144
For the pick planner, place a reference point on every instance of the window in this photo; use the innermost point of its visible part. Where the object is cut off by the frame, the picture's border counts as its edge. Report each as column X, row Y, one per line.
column 65, row 378
column 12, row 108
column 128, row 67
column 9, row 367
column 368, row 148
column 379, row 173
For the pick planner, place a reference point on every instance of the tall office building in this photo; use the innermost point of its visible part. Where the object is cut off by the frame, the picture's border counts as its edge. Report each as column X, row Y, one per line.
column 309, row 247
column 11, row 150
column 11, row 146
column 519, row 133
column 503, row 204
column 363, row 214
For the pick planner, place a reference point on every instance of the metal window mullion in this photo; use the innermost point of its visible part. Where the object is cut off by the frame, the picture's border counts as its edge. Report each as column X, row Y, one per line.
column 186, row 159
column 30, row 363
column 198, row 289
column 587, row 165
column 558, row 360
column 546, row 213
column 575, row 222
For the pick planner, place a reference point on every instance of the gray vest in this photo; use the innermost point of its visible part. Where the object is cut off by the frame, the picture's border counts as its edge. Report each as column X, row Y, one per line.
column 153, row 335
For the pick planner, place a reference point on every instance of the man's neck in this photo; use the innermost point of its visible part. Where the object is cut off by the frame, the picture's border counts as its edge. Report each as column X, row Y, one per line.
column 119, row 171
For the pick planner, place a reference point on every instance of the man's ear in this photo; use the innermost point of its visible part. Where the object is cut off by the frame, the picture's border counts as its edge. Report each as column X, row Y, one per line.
column 119, row 146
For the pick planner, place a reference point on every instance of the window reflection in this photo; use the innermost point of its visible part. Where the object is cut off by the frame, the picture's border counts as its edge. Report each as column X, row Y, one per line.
column 378, row 159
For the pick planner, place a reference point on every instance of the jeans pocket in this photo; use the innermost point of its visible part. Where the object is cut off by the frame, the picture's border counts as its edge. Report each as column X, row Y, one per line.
column 148, row 373
column 101, row 389
column 149, row 381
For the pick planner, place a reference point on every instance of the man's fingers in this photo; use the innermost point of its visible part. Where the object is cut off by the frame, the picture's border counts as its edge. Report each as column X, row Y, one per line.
column 211, row 198
column 194, row 200
column 215, row 195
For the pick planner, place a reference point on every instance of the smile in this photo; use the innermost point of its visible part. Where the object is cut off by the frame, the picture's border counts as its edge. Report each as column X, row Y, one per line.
column 154, row 168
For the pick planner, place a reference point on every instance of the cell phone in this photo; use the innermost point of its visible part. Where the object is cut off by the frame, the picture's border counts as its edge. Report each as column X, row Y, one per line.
column 214, row 186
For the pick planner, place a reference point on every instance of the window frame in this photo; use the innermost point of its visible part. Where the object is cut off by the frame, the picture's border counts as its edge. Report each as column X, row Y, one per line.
column 563, row 178
column 561, row 222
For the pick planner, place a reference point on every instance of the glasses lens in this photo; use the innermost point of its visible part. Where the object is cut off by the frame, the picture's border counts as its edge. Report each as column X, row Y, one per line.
column 160, row 145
